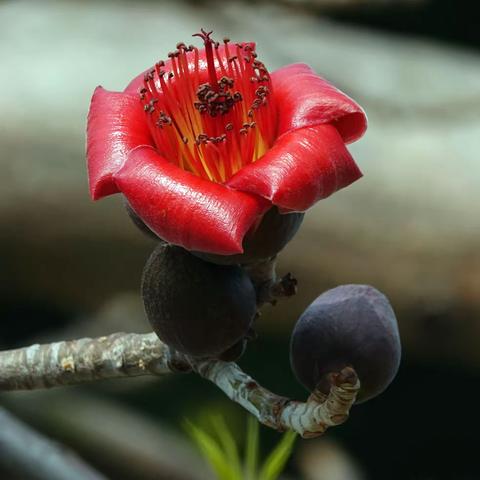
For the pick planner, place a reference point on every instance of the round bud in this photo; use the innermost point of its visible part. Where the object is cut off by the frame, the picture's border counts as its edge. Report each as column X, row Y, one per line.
column 196, row 307
column 138, row 222
column 350, row 325
column 271, row 235
column 235, row 352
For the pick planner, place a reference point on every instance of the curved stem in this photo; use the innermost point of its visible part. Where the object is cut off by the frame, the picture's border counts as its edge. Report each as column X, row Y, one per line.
column 129, row 354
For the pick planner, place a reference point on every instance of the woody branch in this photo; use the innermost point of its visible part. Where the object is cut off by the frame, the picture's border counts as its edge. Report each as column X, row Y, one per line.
column 129, row 354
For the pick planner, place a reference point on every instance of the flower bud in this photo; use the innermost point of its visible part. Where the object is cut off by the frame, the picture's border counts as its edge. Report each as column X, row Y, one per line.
column 138, row 222
column 272, row 234
column 350, row 325
column 197, row 308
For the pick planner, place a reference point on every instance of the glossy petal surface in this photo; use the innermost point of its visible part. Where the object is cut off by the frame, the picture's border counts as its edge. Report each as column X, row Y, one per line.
column 302, row 167
column 184, row 209
column 305, row 99
column 116, row 125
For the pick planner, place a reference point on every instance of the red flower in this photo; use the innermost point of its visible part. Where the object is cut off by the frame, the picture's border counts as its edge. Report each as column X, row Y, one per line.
column 215, row 140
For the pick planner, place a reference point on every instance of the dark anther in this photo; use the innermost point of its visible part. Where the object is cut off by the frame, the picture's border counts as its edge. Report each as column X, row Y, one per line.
column 205, row 36
column 261, row 91
column 141, row 92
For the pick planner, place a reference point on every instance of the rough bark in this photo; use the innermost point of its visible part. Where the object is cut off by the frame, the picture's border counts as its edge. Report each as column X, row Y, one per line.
column 125, row 355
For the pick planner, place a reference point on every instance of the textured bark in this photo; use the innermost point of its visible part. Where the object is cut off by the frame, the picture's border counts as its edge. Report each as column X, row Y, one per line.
column 124, row 355
column 83, row 360
column 309, row 419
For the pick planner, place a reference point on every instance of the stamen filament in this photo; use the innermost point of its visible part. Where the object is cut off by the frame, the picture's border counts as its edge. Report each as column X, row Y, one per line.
column 215, row 128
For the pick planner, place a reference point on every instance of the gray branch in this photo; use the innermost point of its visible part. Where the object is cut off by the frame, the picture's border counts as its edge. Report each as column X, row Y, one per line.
column 123, row 355
column 34, row 456
column 83, row 360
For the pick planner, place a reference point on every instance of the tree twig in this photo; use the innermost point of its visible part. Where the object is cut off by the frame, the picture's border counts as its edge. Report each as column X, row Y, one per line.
column 309, row 419
column 123, row 355
column 267, row 285
column 84, row 360
column 34, row 456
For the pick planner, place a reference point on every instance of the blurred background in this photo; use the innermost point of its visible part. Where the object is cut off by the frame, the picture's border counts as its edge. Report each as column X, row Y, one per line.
column 410, row 227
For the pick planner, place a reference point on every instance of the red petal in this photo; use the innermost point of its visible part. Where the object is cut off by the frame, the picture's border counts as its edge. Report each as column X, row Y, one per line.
column 137, row 82
column 184, row 209
column 303, row 166
column 305, row 99
column 116, row 124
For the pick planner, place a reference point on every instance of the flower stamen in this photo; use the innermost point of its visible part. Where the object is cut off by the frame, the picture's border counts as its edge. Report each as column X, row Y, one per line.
column 214, row 123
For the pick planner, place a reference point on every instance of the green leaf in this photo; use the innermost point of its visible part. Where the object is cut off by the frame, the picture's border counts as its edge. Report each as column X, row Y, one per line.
column 229, row 446
column 251, row 449
column 276, row 461
column 211, row 451
column 222, row 453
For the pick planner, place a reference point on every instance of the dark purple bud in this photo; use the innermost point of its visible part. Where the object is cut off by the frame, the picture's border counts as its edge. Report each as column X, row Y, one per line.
column 270, row 237
column 196, row 307
column 350, row 325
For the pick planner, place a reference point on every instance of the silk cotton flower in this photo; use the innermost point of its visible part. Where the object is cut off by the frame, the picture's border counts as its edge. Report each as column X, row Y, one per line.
column 204, row 144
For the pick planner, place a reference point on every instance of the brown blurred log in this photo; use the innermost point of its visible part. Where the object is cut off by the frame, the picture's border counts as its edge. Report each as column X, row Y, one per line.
column 28, row 454
column 111, row 436
column 351, row 4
